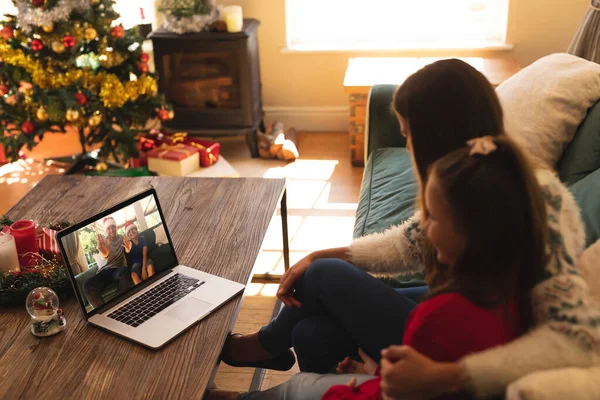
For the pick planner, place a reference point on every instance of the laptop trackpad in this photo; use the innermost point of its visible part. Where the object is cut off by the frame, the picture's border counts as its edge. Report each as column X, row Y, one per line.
column 190, row 310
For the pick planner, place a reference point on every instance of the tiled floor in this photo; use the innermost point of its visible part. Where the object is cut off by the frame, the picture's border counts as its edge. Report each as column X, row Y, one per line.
column 323, row 191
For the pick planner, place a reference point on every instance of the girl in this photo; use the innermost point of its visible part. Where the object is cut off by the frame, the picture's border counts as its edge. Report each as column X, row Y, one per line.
column 333, row 308
column 137, row 254
column 483, row 299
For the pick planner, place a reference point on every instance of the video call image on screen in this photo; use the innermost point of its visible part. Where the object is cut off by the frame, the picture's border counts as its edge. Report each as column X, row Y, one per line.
column 111, row 255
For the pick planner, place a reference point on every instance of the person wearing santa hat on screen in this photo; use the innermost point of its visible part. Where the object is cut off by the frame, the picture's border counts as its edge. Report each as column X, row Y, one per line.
column 136, row 251
column 114, row 271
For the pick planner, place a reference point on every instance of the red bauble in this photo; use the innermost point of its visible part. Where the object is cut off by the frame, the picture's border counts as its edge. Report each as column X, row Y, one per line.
column 3, row 90
column 37, row 45
column 38, row 3
column 163, row 115
column 69, row 41
column 7, row 33
column 117, row 32
column 143, row 67
column 80, row 98
column 144, row 58
column 28, row 127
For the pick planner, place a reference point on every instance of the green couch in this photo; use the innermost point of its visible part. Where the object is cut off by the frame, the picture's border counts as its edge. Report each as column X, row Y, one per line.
column 160, row 254
column 389, row 186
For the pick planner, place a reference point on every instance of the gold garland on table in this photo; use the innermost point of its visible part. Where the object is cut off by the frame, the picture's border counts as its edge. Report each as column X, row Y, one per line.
column 112, row 91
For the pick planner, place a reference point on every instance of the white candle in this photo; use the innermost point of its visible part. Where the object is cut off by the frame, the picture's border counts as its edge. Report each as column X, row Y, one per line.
column 232, row 15
column 9, row 261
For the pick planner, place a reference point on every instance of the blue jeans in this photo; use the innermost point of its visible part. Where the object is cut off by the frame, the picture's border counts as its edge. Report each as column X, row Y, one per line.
column 343, row 309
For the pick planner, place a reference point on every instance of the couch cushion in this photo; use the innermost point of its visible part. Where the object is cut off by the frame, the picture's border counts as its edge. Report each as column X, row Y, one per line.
column 586, row 193
column 545, row 103
column 582, row 156
column 388, row 191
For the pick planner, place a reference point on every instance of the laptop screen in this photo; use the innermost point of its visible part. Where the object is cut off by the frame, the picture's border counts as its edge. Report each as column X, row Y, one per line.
column 113, row 253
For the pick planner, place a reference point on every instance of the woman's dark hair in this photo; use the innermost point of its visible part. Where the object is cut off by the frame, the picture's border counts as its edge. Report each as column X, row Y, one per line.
column 445, row 104
column 497, row 204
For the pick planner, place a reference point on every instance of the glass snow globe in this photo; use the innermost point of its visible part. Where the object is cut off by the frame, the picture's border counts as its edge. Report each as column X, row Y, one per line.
column 46, row 318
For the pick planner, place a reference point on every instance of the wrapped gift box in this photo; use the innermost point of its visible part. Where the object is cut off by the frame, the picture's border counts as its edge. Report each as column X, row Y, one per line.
column 174, row 160
column 46, row 239
column 208, row 151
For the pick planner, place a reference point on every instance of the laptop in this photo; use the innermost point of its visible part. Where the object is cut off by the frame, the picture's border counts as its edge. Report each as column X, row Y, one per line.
column 127, row 279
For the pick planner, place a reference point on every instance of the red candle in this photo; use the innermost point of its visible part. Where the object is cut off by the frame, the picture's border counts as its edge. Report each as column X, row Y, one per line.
column 25, row 238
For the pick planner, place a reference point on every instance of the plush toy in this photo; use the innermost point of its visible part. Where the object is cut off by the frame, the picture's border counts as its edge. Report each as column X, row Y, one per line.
column 276, row 144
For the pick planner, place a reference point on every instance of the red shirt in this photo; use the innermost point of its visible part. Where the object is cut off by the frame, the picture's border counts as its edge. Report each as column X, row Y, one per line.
column 445, row 328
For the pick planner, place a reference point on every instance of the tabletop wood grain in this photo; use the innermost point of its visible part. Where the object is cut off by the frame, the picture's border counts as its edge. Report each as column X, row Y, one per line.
column 217, row 226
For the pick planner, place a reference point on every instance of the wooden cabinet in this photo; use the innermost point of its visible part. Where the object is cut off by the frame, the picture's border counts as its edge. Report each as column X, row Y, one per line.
column 363, row 73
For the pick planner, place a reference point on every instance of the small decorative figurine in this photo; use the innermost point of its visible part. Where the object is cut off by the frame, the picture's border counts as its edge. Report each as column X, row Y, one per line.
column 46, row 318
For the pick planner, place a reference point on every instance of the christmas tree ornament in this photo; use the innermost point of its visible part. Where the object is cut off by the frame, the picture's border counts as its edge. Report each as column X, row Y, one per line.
column 28, row 127
column 69, row 41
column 90, row 34
column 80, row 98
column 58, row 47
column 171, row 114
column 38, row 3
column 46, row 318
column 144, row 57
column 37, row 45
column 95, row 120
column 41, row 114
column 117, row 32
column 7, row 32
column 72, row 115
column 94, row 2
column 3, row 90
column 143, row 67
column 163, row 115
column 48, row 28
column 11, row 100
column 101, row 167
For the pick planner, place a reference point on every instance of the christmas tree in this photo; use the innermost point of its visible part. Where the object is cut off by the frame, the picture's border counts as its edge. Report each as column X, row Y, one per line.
column 65, row 63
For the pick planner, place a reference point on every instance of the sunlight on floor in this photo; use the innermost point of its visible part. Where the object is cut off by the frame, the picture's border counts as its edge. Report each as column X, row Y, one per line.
column 314, row 220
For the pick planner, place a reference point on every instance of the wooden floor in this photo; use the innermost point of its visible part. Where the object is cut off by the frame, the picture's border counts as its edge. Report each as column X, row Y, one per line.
column 323, row 190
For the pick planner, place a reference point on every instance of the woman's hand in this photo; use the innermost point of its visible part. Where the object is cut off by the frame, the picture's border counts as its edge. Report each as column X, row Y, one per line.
column 286, row 284
column 408, row 374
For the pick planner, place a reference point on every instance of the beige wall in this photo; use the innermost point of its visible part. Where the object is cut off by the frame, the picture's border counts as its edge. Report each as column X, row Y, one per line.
column 536, row 28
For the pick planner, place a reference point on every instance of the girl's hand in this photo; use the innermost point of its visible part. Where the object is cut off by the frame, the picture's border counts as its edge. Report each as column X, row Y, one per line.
column 127, row 244
column 350, row 366
column 408, row 374
column 286, row 284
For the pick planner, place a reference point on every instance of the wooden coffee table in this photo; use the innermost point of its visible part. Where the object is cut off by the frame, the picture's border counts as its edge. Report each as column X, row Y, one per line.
column 217, row 225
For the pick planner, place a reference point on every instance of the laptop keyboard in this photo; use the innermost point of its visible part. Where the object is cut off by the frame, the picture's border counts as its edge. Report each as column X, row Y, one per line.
column 144, row 307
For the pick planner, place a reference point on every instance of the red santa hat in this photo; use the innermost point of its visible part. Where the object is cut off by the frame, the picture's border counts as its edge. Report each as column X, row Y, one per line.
column 129, row 225
column 108, row 221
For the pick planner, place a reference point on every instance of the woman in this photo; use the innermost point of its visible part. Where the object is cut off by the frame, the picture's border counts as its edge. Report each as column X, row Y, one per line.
column 332, row 307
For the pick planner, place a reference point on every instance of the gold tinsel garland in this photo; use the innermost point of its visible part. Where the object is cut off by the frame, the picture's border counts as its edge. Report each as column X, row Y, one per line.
column 111, row 90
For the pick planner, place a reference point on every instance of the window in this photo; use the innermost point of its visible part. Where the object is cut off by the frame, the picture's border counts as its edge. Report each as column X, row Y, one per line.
column 132, row 11
column 395, row 24
column 7, row 7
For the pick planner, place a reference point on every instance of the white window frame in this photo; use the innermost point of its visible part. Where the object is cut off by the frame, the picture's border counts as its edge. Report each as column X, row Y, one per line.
column 396, row 45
